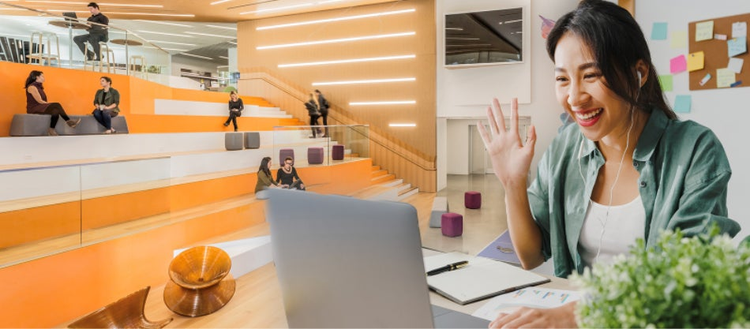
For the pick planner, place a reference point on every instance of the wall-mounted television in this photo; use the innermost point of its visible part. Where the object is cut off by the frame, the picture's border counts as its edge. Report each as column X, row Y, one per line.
column 484, row 37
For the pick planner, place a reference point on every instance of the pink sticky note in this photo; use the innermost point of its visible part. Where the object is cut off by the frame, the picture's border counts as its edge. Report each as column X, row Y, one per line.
column 678, row 64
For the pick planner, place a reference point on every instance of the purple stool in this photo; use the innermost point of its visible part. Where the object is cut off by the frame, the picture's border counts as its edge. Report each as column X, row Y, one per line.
column 337, row 152
column 315, row 155
column 473, row 200
column 452, row 224
column 283, row 153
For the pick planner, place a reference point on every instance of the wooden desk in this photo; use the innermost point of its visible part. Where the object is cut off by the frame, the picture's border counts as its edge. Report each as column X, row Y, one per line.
column 126, row 42
column 258, row 303
column 67, row 24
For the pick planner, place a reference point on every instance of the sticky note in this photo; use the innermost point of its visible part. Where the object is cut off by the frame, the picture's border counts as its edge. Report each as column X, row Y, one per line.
column 704, row 31
column 678, row 39
column 737, row 46
column 705, row 79
column 739, row 29
column 666, row 82
column 659, row 31
column 724, row 78
column 677, row 64
column 735, row 64
column 695, row 61
column 682, row 103
column 720, row 36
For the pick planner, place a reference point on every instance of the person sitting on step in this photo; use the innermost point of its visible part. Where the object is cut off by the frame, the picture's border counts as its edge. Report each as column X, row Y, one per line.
column 106, row 101
column 287, row 175
column 235, row 109
column 36, row 103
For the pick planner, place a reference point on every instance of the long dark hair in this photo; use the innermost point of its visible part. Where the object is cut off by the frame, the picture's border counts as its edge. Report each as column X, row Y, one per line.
column 264, row 166
column 617, row 44
column 32, row 78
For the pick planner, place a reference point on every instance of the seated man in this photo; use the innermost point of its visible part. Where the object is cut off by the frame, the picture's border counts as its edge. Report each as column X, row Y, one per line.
column 97, row 32
column 287, row 175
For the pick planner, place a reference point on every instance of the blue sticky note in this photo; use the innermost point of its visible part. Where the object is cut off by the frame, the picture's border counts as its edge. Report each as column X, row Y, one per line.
column 737, row 46
column 682, row 103
column 659, row 31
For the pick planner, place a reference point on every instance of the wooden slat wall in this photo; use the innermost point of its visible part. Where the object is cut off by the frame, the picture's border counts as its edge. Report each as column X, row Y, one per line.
column 413, row 146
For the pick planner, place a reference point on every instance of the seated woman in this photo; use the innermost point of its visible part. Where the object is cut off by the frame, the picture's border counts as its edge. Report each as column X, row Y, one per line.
column 36, row 103
column 107, row 101
column 235, row 109
column 287, row 175
column 265, row 178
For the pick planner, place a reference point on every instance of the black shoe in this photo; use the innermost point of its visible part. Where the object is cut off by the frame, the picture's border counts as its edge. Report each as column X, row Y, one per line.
column 235, row 129
column 226, row 124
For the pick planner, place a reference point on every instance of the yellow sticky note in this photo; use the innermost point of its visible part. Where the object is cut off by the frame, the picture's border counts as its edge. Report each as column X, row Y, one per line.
column 678, row 39
column 704, row 31
column 695, row 61
column 724, row 78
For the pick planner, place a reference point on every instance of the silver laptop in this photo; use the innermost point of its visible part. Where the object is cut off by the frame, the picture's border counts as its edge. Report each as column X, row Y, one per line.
column 344, row 262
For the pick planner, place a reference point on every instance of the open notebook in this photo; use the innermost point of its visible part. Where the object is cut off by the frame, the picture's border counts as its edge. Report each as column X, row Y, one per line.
column 481, row 278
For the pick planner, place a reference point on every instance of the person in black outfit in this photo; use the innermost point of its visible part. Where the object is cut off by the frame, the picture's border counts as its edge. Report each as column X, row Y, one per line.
column 97, row 32
column 287, row 175
column 36, row 103
column 235, row 109
column 313, row 110
column 324, row 106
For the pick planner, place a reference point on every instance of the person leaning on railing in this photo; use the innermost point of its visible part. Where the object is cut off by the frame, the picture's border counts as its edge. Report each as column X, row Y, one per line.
column 98, row 32
column 106, row 101
column 36, row 103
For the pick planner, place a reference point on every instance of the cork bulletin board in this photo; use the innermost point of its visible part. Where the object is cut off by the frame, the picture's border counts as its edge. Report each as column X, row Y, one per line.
column 716, row 53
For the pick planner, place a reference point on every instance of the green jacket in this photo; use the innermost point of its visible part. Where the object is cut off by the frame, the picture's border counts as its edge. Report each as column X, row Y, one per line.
column 113, row 97
column 683, row 184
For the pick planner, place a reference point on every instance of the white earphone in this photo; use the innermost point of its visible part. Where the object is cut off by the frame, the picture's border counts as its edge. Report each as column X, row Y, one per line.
column 639, row 78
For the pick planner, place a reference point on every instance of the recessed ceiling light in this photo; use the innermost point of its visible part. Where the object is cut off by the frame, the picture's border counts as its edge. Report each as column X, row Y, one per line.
column 196, row 56
column 369, row 37
column 223, row 57
column 170, row 34
column 223, row 27
column 402, row 125
column 355, row 82
column 163, row 23
column 277, row 8
column 100, row 3
column 338, row 19
column 354, row 60
column 220, row 1
column 172, row 43
column 454, row 28
column 213, row 35
column 383, row 103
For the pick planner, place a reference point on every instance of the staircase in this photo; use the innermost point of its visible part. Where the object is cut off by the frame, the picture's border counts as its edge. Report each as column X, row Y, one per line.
column 387, row 183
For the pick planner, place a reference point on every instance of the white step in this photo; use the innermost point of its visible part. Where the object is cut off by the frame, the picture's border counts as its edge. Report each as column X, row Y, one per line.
column 404, row 196
column 178, row 107
column 393, row 183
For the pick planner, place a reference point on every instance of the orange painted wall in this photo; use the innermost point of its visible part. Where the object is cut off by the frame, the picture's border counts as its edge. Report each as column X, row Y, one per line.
column 144, row 124
column 62, row 287
column 114, row 209
column 39, row 223
column 75, row 90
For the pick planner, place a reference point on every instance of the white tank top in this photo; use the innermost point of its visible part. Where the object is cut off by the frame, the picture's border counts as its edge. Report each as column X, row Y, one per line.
column 622, row 227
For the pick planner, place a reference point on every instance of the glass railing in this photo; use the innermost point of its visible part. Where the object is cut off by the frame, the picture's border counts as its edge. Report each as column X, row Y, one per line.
column 48, row 210
column 39, row 37
column 321, row 145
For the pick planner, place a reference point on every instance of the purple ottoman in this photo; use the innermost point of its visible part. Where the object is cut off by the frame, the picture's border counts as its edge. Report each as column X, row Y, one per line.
column 283, row 153
column 452, row 224
column 337, row 152
column 314, row 155
column 473, row 200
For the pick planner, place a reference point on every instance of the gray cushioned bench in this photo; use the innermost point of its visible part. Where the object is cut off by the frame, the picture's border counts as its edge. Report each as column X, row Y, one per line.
column 36, row 125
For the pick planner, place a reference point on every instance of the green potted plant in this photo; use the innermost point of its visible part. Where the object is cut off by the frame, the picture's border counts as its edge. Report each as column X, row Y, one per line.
column 681, row 282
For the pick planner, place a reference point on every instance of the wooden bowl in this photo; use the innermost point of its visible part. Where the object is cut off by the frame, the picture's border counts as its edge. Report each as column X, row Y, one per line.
column 200, row 267
column 199, row 302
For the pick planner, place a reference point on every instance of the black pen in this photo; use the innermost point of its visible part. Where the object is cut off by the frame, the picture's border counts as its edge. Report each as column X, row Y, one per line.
column 449, row 267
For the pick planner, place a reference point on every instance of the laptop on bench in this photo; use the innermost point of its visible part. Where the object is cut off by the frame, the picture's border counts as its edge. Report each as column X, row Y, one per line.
column 349, row 263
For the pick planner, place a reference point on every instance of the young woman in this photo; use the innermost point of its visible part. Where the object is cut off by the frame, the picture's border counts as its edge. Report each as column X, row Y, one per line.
column 265, row 178
column 235, row 109
column 628, row 169
column 106, row 102
column 313, row 110
column 36, row 103
column 287, row 175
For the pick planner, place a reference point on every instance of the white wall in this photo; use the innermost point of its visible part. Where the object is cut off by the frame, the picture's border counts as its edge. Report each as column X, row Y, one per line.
column 500, row 81
column 724, row 111
column 194, row 64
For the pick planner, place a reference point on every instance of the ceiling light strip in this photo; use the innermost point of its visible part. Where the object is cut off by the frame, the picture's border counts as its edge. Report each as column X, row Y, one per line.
column 402, row 125
column 222, row 27
column 220, row 1
column 369, row 37
column 356, row 82
column 344, row 61
column 212, row 35
column 338, row 19
column 196, row 56
column 163, row 23
column 277, row 8
column 383, row 103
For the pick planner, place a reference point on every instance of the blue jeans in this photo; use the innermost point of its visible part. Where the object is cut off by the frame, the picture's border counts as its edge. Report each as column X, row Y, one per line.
column 104, row 117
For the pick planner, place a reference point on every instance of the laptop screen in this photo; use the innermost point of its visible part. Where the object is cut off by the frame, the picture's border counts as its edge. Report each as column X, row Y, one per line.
column 70, row 16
